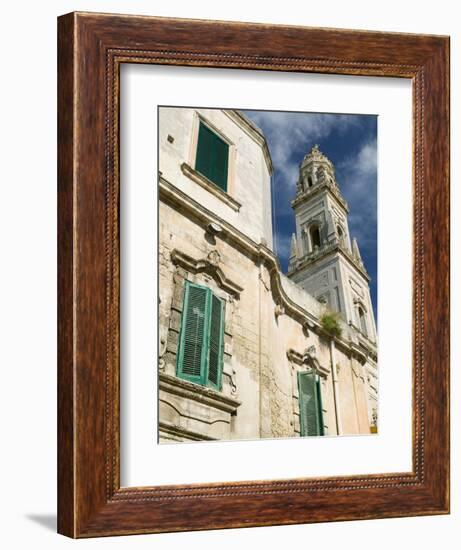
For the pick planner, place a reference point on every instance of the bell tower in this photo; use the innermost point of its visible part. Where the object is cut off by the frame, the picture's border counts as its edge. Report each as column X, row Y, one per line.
column 324, row 260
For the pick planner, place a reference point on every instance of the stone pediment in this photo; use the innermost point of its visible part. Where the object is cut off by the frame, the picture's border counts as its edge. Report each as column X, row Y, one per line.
column 308, row 358
column 209, row 265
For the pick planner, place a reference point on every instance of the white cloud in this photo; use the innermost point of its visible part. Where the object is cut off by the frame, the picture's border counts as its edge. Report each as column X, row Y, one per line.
column 288, row 132
column 357, row 175
column 364, row 163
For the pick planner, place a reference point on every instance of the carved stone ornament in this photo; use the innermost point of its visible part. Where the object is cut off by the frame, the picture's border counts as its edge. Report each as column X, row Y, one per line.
column 279, row 310
column 321, row 175
column 233, row 382
column 311, row 352
column 162, row 350
column 214, row 258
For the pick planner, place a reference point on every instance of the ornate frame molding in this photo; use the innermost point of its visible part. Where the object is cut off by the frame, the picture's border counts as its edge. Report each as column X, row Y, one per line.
column 92, row 47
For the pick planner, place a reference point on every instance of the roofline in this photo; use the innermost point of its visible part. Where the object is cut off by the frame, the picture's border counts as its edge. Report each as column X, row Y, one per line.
column 254, row 132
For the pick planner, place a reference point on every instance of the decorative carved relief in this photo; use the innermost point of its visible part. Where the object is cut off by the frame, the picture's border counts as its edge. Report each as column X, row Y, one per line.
column 214, row 258
column 324, row 298
column 162, row 350
column 233, row 382
column 321, row 175
column 279, row 310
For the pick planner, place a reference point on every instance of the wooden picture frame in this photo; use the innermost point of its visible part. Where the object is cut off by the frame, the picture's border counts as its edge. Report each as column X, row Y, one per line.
column 91, row 49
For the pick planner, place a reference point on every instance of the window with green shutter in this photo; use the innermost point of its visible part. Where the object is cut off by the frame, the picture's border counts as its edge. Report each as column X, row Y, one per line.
column 201, row 341
column 310, row 404
column 212, row 156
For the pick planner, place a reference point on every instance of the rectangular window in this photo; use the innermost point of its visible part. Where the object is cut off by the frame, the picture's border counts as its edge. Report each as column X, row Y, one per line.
column 310, row 404
column 212, row 156
column 201, row 341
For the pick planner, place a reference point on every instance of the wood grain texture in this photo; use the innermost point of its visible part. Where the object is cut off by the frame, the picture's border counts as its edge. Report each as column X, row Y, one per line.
column 65, row 277
column 91, row 49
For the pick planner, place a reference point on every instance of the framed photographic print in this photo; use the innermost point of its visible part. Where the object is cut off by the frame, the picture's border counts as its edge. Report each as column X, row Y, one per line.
column 253, row 275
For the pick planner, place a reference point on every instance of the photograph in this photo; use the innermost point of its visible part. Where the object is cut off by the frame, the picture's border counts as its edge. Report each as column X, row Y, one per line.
column 267, row 274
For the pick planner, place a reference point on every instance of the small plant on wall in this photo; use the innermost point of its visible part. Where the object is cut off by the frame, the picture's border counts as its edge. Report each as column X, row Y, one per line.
column 330, row 324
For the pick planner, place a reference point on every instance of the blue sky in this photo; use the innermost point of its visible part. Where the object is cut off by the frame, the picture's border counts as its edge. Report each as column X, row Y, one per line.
column 349, row 141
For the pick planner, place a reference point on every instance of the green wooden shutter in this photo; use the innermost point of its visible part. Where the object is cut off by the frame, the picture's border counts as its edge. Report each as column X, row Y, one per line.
column 201, row 341
column 192, row 354
column 221, row 163
column 308, row 403
column 212, row 156
column 320, row 407
column 204, row 160
column 216, row 343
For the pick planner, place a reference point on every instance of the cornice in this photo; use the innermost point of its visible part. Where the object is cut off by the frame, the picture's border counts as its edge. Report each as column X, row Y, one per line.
column 181, row 432
column 325, row 252
column 317, row 189
column 208, row 396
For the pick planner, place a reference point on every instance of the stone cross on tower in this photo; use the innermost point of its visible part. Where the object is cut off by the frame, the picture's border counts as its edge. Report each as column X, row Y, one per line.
column 324, row 260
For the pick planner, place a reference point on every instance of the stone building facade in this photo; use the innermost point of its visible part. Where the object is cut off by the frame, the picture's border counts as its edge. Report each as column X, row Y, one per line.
column 243, row 349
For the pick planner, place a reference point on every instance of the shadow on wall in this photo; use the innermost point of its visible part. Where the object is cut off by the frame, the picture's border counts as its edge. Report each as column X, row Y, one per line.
column 47, row 521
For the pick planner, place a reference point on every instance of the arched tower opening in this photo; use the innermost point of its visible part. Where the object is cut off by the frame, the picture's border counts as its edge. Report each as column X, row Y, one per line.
column 314, row 233
column 362, row 320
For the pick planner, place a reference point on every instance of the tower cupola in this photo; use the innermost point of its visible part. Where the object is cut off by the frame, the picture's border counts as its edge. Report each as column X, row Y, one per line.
column 316, row 169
